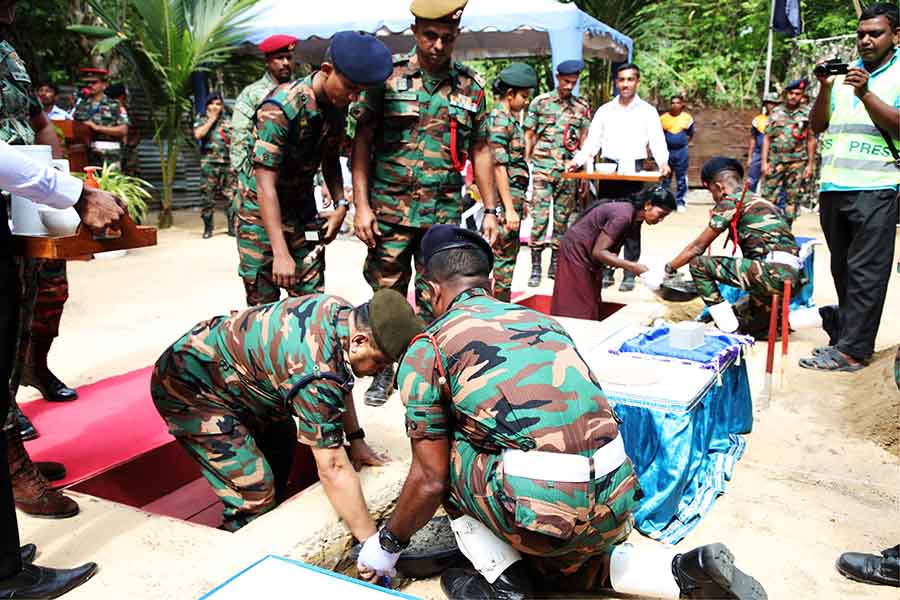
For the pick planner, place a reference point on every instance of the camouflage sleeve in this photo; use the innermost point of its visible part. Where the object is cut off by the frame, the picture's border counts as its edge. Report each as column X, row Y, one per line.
column 240, row 129
column 122, row 116
column 427, row 416
column 481, row 130
column 722, row 213
column 531, row 115
column 271, row 135
column 771, row 124
column 368, row 107
column 319, row 407
column 500, row 137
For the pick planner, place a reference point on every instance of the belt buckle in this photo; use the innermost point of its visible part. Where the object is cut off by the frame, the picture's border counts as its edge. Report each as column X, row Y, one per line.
column 591, row 469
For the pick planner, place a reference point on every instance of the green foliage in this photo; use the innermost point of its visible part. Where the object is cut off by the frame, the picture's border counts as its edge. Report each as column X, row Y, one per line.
column 132, row 190
column 165, row 41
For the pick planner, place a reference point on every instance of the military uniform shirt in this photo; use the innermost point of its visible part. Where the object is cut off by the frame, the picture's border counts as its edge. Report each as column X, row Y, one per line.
column 217, row 140
column 788, row 130
column 515, row 377
column 760, row 230
column 508, row 142
column 294, row 136
column 558, row 127
column 243, row 117
column 272, row 349
column 415, row 181
column 107, row 113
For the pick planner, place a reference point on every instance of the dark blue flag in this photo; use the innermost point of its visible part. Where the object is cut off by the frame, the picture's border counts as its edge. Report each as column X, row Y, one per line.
column 787, row 18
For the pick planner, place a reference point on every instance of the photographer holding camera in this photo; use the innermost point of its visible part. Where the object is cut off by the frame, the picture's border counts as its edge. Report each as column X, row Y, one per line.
column 860, row 115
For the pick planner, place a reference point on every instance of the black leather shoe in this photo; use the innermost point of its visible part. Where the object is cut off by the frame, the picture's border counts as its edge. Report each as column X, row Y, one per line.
column 627, row 283
column 43, row 582
column 869, row 568
column 55, row 390
column 468, row 584
column 52, row 471
column 26, row 427
column 28, row 552
column 709, row 572
column 381, row 388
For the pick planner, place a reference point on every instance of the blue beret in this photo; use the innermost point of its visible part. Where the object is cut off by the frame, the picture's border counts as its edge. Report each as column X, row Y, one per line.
column 716, row 165
column 570, row 67
column 519, row 75
column 440, row 238
column 797, row 84
column 361, row 57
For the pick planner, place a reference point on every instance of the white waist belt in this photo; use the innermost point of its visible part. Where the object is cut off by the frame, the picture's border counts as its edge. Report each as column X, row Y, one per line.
column 105, row 146
column 568, row 468
column 784, row 258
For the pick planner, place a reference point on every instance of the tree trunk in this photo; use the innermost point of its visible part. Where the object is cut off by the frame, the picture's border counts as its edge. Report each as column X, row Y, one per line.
column 165, row 213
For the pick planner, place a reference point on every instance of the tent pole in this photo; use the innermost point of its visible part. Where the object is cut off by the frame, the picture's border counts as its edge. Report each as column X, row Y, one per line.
column 769, row 51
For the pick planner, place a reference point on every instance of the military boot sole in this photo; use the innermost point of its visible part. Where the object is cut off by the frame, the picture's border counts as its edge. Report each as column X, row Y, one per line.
column 718, row 563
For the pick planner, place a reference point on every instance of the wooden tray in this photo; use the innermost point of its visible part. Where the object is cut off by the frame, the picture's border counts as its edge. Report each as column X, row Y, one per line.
column 611, row 177
column 83, row 244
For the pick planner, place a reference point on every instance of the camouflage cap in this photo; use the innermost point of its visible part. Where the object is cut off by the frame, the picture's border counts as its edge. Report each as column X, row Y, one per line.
column 393, row 322
column 771, row 97
column 438, row 10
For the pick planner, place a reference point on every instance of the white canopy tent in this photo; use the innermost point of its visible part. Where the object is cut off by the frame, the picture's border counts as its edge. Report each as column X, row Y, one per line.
column 490, row 28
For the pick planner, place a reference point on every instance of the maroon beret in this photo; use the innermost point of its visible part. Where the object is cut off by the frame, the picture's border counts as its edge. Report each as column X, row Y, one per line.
column 278, row 43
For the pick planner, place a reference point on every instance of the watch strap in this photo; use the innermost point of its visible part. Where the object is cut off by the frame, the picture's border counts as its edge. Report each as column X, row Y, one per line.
column 359, row 434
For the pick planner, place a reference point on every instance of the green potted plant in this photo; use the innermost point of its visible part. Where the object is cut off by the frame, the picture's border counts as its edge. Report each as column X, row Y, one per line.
column 132, row 190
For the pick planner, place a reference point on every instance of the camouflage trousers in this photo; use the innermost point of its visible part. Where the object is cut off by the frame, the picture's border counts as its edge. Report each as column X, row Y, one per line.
column 200, row 398
column 256, row 258
column 551, row 192
column 566, row 531
column 788, row 177
column 29, row 277
column 506, row 251
column 390, row 264
column 760, row 279
column 218, row 183
column 52, row 293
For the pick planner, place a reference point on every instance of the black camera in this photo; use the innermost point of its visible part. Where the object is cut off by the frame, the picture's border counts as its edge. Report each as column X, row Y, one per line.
column 833, row 66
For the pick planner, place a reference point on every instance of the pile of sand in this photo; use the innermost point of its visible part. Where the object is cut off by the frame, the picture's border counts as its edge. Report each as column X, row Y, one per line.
column 675, row 312
column 874, row 412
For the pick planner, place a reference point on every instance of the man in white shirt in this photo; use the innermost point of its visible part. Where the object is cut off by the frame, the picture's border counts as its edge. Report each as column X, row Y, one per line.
column 46, row 93
column 620, row 133
column 20, row 175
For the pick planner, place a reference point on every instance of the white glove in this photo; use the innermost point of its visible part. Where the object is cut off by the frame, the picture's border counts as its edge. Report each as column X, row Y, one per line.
column 373, row 557
column 653, row 278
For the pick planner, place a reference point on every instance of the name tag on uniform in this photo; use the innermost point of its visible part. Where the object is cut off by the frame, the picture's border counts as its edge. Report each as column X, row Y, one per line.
column 311, row 236
column 408, row 95
column 463, row 102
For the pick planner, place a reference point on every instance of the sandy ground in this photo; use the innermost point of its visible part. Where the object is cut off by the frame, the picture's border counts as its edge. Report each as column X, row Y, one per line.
column 810, row 486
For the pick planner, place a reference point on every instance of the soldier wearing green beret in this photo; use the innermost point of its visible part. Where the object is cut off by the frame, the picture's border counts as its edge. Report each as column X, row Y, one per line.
column 413, row 137
column 229, row 389
column 513, row 88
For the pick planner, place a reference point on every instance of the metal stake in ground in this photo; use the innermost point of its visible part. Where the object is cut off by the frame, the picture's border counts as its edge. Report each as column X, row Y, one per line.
column 785, row 328
column 770, row 355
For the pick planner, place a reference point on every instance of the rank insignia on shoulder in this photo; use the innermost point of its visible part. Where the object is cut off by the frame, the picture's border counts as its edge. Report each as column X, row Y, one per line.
column 463, row 102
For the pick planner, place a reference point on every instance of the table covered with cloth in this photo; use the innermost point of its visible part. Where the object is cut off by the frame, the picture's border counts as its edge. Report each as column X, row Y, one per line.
column 683, row 413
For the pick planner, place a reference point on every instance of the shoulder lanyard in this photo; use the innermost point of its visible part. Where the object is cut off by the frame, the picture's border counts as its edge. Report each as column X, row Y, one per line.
column 733, row 226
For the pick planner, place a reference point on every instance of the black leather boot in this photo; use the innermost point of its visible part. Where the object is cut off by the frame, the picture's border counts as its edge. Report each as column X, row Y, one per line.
column 38, row 375
column 870, row 568
column 28, row 552
column 232, row 230
column 551, row 272
column 24, row 424
column 53, row 471
column 43, row 582
column 381, row 388
column 207, row 226
column 535, row 279
column 468, row 584
column 709, row 572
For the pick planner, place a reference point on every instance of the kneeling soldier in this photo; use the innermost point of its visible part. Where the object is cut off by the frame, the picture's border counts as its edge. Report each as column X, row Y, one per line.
column 230, row 387
column 770, row 256
column 510, row 430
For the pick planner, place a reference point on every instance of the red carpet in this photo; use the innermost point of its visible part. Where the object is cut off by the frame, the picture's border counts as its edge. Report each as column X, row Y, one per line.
column 112, row 422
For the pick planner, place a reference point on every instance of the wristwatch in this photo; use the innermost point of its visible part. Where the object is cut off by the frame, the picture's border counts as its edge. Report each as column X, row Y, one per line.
column 389, row 542
column 342, row 203
column 359, row 434
column 491, row 211
column 670, row 270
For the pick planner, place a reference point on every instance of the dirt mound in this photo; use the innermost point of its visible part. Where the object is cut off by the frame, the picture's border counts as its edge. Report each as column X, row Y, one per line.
column 874, row 413
column 676, row 312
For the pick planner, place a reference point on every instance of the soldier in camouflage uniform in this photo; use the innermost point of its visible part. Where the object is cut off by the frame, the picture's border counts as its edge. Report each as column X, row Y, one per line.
column 412, row 138
column 279, row 53
column 299, row 129
column 213, row 131
column 768, row 248
column 513, row 88
column 789, row 152
column 555, row 127
column 22, row 122
column 105, row 117
column 511, row 431
column 230, row 387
